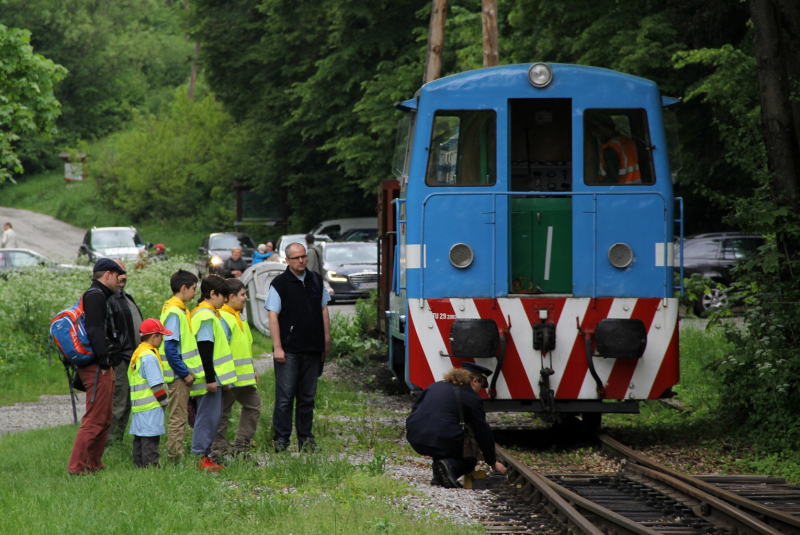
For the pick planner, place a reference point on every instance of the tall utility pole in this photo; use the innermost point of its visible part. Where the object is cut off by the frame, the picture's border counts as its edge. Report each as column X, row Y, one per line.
column 490, row 52
column 433, row 60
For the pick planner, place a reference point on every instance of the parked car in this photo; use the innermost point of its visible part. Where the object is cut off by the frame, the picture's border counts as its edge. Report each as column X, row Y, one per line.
column 288, row 239
column 22, row 259
column 118, row 243
column 216, row 249
column 336, row 227
column 714, row 255
column 350, row 269
column 359, row 234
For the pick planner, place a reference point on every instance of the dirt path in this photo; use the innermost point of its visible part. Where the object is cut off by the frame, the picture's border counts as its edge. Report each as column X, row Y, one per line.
column 44, row 234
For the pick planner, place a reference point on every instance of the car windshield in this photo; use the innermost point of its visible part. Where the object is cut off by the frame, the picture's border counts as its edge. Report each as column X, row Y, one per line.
column 20, row 259
column 351, row 253
column 738, row 248
column 230, row 241
column 116, row 238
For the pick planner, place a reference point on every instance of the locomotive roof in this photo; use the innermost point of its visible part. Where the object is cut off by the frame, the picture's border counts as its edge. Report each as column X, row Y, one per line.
column 511, row 81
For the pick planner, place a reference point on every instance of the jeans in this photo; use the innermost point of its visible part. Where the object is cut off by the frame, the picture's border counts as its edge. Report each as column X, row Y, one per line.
column 295, row 379
column 206, row 423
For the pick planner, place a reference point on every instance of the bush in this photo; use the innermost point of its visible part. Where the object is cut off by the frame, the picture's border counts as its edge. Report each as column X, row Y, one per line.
column 355, row 337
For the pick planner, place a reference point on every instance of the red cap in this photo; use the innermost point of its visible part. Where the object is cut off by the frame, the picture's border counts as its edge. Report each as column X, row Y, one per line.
column 153, row 326
column 160, row 246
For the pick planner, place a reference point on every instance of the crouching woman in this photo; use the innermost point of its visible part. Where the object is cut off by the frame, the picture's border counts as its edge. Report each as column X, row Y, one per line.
column 434, row 426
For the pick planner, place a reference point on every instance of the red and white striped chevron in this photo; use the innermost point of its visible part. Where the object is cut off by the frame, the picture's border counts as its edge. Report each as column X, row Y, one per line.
column 428, row 333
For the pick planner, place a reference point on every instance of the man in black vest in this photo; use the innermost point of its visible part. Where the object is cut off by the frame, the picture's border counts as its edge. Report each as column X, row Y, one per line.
column 299, row 326
column 127, row 320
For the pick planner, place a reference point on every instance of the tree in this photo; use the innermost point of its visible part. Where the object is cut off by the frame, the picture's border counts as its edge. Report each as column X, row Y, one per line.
column 27, row 102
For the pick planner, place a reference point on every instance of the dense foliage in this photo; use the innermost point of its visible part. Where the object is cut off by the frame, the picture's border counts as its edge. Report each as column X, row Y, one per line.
column 27, row 103
column 120, row 54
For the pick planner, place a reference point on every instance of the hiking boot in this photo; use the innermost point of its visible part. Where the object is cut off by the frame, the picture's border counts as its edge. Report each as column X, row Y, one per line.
column 209, row 465
column 445, row 471
column 280, row 446
column 309, row 446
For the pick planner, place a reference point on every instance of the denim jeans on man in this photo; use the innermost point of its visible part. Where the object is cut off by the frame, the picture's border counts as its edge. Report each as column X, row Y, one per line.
column 295, row 379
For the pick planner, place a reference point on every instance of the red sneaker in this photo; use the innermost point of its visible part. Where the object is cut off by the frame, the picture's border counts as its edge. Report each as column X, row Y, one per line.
column 209, row 466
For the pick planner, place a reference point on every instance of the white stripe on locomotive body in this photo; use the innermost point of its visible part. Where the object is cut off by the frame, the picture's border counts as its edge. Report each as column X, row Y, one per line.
column 661, row 330
column 602, row 366
column 660, row 254
column 660, row 333
column 471, row 311
column 548, row 253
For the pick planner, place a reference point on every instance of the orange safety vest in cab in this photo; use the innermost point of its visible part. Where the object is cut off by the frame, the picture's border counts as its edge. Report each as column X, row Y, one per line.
column 628, row 161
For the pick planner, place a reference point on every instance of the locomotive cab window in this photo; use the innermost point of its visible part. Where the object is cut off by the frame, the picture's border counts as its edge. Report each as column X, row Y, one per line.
column 463, row 149
column 617, row 148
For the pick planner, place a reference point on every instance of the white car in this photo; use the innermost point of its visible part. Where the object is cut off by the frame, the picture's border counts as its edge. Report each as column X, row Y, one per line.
column 289, row 239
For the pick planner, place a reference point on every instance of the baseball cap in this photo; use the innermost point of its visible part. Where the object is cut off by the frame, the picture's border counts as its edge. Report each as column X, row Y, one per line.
column 106, row 264
column 153, row 326
column 477, row 369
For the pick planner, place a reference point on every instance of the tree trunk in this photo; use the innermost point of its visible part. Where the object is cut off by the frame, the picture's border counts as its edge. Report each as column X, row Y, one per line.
column 490, row 51
column 776, row 24
column 433, row 61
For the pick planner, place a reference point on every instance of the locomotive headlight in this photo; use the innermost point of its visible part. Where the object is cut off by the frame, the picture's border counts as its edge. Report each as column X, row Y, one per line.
column 540, row 75
column 620, row 255
column 461, row 255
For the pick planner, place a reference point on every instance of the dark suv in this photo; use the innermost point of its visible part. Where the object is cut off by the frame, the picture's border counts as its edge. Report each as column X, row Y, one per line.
column 216, row 249
column 713, row 255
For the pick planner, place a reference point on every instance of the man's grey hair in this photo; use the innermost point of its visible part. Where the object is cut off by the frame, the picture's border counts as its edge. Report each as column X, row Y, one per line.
column 286, row 251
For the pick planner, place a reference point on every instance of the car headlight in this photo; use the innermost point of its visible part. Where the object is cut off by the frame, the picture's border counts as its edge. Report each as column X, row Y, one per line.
column 215, row 260
column 333, row 276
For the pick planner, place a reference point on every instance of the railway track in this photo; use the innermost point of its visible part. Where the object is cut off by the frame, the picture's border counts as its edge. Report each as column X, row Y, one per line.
column 644, row 497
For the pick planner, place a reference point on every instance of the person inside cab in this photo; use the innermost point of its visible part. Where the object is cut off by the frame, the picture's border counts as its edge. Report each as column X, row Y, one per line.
column 615, row 153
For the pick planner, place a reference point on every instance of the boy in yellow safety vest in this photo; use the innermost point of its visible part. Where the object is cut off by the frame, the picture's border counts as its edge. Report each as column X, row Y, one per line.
column 148, row 394
column 183, row 370
column 217, row 361
column 244, row 389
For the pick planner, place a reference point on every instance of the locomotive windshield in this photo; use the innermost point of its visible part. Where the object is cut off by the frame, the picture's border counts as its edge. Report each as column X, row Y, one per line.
column 402, row 148
column 617, row 148
column 463, row 149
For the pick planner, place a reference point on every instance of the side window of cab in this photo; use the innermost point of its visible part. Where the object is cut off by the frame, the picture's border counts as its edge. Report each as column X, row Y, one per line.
column 463, row 149
column 617, row 148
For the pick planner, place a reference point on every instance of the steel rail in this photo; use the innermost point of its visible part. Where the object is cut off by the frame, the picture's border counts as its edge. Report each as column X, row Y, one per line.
column 773, row 520
column 578, row 522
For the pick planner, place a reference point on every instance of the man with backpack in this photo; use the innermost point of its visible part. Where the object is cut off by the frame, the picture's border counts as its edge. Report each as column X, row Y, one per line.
column 98, row 376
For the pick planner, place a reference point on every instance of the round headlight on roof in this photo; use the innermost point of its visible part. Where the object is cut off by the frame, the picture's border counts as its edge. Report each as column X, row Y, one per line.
column 540, row 75
column 620, row 255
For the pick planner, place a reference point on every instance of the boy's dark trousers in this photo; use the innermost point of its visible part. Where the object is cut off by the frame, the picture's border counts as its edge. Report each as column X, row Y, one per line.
column 145, row 451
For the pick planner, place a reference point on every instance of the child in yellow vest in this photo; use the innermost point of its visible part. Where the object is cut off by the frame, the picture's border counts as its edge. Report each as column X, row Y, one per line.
column 148, row 394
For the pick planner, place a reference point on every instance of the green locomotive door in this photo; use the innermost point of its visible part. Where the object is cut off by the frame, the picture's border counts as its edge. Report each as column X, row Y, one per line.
column 541, row 245
column 540, row 175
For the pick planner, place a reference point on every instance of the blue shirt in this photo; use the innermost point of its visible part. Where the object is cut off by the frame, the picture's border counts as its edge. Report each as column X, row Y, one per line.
column 149, row 423
column 273, row 303
column 172, row 346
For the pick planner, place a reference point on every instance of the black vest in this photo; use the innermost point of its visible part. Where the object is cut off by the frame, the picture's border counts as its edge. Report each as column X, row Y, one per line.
column 300, row 319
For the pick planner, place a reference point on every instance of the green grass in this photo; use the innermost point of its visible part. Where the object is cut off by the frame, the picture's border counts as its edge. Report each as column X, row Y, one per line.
column 78, row 205
column 31, row 380
column 317, row 493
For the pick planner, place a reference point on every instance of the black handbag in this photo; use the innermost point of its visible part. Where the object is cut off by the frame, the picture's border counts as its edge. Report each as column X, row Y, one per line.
column 471, row 448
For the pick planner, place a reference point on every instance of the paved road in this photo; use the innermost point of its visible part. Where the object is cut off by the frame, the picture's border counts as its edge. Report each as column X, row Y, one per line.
column 44, row 234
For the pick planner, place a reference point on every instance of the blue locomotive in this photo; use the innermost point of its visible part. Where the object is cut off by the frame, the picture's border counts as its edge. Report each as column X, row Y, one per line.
column 531, row 230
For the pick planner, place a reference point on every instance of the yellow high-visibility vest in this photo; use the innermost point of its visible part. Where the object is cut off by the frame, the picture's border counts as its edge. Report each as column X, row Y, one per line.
column 223, row 360
column 142, row 396
column 189, row 354
column 241, row 349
